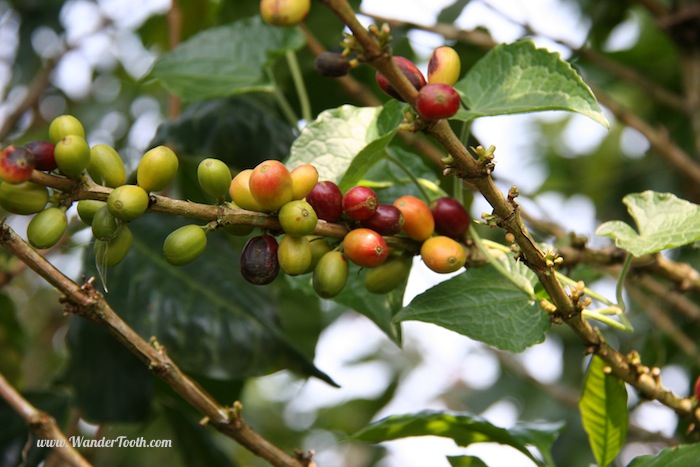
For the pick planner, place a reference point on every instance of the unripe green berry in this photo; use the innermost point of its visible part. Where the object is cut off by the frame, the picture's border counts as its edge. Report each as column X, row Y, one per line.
column 72, row 154
column 214, row 177
column 65, row 125
column 104, row 225
column 23, row 198
column 184, row 245
column 127, row 202
column 106, row 166
column 330, row 274
column 47, row 227
column 111, row 252
column 157, row 169
column 294, row 255
column 298, row 218
column 87, row 208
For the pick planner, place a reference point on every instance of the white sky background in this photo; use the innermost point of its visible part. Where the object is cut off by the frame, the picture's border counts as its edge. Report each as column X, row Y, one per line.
column 448, row 357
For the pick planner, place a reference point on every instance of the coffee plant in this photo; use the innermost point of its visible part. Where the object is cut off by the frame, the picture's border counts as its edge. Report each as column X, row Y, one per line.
column 309, row 170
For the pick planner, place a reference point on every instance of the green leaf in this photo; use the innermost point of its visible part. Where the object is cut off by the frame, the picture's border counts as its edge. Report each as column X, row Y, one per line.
column 465, row 461
column 675, row 456
column 663, row 221
column 603, row 407
column 343, row 143
column 450, row 13
column 225, row 60
column 464, row 429
column 482, row 304
column 519, row 78
column 210, row 319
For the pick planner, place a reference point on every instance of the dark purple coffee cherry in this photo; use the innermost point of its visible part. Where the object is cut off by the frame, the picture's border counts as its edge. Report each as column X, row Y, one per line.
column 259, row 263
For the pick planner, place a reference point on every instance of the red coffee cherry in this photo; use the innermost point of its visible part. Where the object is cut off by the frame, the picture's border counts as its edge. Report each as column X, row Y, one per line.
column 16, row 164
column 418, row 220
column 365, row 247
column 43, row 154
column 435, row 101
column 327, row 200
column 271, row 185
column 360, row 202
column 451, row 218
column 410, row 71
column 387, row 220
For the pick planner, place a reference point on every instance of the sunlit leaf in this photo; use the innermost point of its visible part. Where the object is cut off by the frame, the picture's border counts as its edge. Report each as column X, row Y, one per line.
column 663, row 221
column 484, row 305
column 465, row 429
column 519, row 78
column 603, row 407
column 674, row 456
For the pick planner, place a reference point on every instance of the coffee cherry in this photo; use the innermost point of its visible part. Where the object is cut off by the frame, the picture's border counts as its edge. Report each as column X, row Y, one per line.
column 16, row 164
column 284, row 12
column 443, row 254
column 271, row 185
column 43, row 154
column 111, row 252
column 87, row 208
column 239, row 190
column 451, row 218
column 387, row 220
column 696, row 391
column 304, row 179
column 418, row 220
column 298, row 218
column 47, row 227
column 444, row 66
column 330, row 274
column 106, row 166
column 389, row 275
column 409, row 69
column 332, row 64
column 259, row 263
column 294, row 255
column 319, row 247
column 360, row 202
column 157, row 169
column 23, row 198
column 184, row 245
column 72, row 155
column 104, row 224
column 436, row 101
column 127, row 202
column 365, row 247
column 65, row 125
column 214, row 177
column 327, row 200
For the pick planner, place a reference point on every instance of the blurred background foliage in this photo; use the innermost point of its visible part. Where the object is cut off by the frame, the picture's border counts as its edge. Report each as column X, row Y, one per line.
column 228, row 336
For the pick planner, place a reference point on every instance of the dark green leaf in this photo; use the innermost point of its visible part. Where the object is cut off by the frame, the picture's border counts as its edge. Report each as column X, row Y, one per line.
column 464, row 429
column 465, row 461
column 484, row 305
column 226, row 60
column 450, row 13
column 675, row 456
column 519, row 78
column 663, row 220
column 344, row 143
column 210, row 319
column 111, row 385
column 603, row 407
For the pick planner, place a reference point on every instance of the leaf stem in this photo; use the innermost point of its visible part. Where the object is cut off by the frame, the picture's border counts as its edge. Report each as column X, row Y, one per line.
column 298, row 79
column 595, row 314
column 283, row 102
column 410, row 175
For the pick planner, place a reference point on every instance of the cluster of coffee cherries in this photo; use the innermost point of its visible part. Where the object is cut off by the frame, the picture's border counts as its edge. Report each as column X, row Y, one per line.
column 300, row 201
column 68, row 153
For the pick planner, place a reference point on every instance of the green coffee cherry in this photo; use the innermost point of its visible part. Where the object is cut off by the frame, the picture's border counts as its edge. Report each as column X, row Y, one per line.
column 330, row 274
column 157, row 169
column 127, row 202
column 319, row 247
column 104, row 224
column 214, row 177
column 65, row 125
column 294, row 255
column 87, row 208
column 184, row 245
column 72, row 155
column 298, row 218
column 111, row 252
column 106, row 166
column 47, row 227
column 389, row 275
column 23, row 198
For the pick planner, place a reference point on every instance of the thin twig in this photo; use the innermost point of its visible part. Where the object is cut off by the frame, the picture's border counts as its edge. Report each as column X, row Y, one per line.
column 87, row 302
column 42, row 425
